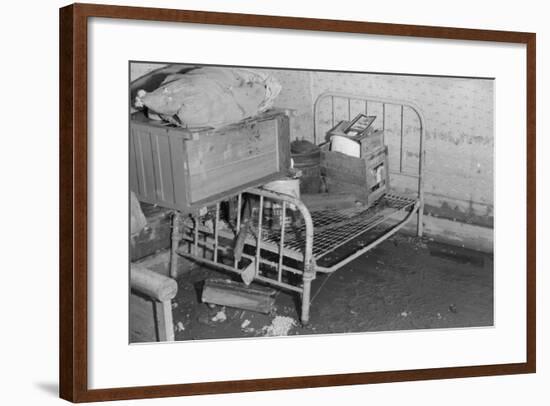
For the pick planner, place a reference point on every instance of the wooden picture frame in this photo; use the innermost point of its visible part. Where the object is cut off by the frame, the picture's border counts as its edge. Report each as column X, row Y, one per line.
column 73, row 201
column 363, row 128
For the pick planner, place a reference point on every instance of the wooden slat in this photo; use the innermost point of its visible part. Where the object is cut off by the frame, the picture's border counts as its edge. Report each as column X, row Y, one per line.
column 216, row 150
column 342, row 167
column 163, row 168
column 145, row 163
column 156, row 168
column 208, row 183
column 134, row 183
column 164, row 321
column 179, row 172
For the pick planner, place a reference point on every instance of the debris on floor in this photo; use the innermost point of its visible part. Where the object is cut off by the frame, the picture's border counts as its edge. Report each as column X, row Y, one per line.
column 247, row 275
column 180, row 327
column 209, row 224
column 220, row 316
column 415, row 242
column 280, row 326
column 372, row 294
column 245, row 327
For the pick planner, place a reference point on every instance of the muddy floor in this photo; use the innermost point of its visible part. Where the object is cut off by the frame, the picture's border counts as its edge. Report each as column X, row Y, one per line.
column 405, row 283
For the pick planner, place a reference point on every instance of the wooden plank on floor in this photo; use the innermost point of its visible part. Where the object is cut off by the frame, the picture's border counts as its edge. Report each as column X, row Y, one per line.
column 234, row 294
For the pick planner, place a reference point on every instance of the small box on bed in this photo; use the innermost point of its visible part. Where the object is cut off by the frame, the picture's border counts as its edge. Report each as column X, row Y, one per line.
column 367, row 177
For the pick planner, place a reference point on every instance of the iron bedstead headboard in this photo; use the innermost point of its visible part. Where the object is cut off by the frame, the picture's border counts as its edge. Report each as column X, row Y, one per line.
column 349, row 97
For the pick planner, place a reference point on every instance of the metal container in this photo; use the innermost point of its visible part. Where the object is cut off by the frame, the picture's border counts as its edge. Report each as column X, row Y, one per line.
column 306, row 157
column 287, row 186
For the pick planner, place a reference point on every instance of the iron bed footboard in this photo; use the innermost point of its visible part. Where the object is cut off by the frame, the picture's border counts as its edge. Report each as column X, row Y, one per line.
column 212, row 245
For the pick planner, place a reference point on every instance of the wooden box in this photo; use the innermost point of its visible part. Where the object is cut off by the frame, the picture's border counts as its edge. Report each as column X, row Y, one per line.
column 366, row 177
column 185, row 169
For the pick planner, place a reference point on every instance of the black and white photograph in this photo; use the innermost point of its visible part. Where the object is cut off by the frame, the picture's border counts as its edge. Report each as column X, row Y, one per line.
column 269, row 202
column 265, row 203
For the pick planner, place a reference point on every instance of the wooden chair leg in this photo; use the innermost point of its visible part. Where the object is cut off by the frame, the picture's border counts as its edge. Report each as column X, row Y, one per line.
column 164, row 321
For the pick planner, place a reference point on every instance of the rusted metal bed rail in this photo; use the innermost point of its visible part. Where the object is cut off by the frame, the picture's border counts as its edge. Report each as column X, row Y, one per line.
column 370, row 246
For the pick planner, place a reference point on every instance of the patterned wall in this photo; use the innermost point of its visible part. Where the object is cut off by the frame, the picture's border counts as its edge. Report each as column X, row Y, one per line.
column 459, row 136
column 459, row 130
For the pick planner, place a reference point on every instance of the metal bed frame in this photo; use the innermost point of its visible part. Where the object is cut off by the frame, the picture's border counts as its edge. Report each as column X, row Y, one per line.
column 290, row 257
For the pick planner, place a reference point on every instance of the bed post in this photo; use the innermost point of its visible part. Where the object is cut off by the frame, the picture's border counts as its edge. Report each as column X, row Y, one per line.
column 421, row 164
column 174, row 245
column 309, row 275
column 420, row 219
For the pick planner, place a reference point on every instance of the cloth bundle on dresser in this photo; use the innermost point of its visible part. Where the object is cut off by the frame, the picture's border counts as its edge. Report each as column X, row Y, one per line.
column 210, row 96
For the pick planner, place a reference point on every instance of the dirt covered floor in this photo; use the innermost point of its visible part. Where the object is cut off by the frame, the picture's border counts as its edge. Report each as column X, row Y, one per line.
column 405, row 283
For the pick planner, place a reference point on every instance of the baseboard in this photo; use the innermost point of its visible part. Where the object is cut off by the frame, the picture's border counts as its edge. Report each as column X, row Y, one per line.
column 455, row 233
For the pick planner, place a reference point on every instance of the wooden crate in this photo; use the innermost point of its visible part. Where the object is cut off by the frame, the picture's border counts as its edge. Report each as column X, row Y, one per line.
column 367, row 176
column 185, row 169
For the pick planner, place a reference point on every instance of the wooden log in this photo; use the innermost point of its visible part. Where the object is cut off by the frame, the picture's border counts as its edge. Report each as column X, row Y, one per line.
column 152, row 284
column 234, row 294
